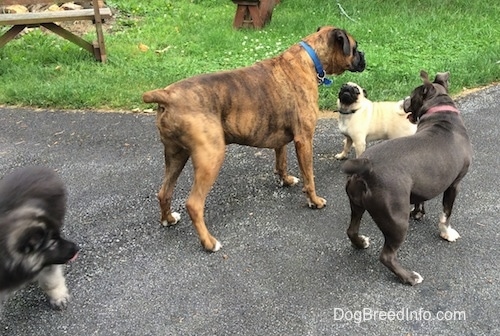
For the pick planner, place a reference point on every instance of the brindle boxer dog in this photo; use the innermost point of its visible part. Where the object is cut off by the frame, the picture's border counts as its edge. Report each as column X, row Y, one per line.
column 391, row 175
column 265, row 105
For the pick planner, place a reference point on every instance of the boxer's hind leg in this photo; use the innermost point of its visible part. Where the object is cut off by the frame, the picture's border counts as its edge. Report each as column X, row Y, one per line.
column 281, row 168
column 175, row 160
column 304, row 150
column 207, row 160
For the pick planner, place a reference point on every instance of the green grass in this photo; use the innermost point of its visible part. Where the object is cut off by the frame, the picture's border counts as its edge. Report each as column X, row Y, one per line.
column 188, row 37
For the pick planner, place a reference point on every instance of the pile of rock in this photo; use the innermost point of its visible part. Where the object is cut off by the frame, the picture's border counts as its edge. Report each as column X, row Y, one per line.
column 73, row 5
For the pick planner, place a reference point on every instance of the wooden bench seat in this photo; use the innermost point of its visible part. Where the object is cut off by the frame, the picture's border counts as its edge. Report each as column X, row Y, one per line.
column 49, row 20
column 253, row 13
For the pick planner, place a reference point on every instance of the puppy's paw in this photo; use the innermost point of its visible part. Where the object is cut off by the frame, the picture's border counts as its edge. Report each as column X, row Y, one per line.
column 172, row 219
column 58, row 296
column 415, row 279
column 449, row 234
column 60, row 303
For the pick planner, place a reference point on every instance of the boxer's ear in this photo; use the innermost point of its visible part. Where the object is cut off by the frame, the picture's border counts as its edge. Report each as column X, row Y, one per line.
column 340, row 37
column 442, row 79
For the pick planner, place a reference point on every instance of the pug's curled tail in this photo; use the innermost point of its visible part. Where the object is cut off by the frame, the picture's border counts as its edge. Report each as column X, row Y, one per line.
column 361, row 166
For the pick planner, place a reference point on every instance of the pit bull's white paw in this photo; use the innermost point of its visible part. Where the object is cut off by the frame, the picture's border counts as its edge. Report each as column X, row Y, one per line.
column 366, row 241
column 177, row 217
column 418, row 279
column 217, row 246
column 449, row 234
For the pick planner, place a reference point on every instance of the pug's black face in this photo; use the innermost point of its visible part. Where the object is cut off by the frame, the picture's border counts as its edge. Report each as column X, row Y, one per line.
column 349, row 94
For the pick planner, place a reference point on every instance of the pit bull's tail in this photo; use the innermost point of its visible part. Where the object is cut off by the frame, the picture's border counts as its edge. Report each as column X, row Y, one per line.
column 361, row 166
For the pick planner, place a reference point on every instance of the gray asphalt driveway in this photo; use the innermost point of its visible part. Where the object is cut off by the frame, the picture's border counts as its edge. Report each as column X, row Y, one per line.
column 284, row 269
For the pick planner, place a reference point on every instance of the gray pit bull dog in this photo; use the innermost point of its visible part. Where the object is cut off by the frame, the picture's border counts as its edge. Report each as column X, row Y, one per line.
column 390, row 176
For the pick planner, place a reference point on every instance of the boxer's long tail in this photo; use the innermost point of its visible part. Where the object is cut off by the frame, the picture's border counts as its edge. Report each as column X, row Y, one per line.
column 361, row 166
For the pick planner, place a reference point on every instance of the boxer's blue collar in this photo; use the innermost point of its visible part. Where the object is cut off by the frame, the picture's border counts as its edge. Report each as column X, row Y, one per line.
column 317, row 64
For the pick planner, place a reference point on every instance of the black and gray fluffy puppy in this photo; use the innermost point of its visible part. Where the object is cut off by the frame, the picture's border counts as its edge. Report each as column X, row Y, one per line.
column 32, row 209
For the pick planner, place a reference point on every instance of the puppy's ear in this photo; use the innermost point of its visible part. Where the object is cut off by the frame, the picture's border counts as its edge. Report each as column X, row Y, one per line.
column 442, row 79
column 341, row 39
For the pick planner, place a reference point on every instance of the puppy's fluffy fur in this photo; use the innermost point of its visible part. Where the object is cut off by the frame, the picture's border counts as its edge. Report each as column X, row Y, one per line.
column 32, row 208
column 362, row 120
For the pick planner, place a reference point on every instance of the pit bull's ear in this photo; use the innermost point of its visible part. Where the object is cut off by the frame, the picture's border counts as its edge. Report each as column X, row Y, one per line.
column 442, row 79
column 340, row 37
column 429, row 89
column 155, row 96
column 424, row 76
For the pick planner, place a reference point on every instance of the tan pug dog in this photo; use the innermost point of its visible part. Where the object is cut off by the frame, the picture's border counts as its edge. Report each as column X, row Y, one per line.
column 362, row 120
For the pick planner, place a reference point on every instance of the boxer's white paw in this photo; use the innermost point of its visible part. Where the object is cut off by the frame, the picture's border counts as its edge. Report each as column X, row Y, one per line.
column 295, row 180
column 217, row 246
column 292, row 180
column 177, row 217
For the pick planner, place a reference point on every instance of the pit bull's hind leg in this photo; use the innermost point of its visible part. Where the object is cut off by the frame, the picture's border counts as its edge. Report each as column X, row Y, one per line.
column 207, row 161
column 356, row 189
column 281, row 168
column 394, row 227
column 359, row 241
column 447, row 232
column 175, row 160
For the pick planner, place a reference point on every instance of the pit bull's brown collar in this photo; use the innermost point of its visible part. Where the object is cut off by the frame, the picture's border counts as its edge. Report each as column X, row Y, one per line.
column 441, row 108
